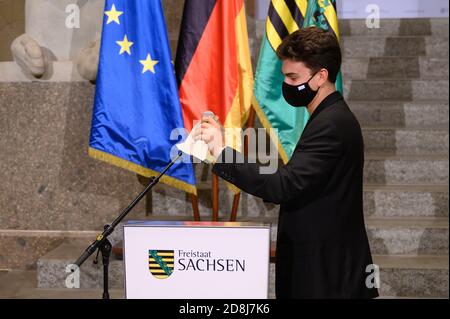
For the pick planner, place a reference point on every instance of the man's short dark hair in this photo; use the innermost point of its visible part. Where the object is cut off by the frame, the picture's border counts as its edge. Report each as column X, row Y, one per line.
column 316, row 48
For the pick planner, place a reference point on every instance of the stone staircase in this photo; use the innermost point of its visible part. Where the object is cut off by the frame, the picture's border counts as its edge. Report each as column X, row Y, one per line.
column 396, row 82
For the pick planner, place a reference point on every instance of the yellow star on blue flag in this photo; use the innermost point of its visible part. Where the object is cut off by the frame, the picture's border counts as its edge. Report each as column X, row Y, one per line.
column 149, row 64
column 113, row 15
column 125, row 45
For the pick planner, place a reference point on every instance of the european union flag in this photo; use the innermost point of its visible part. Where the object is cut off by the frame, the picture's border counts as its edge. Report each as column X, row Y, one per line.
column 137, row 107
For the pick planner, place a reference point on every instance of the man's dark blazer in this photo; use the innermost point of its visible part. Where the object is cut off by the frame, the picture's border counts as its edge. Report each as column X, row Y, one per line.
column 322, row 245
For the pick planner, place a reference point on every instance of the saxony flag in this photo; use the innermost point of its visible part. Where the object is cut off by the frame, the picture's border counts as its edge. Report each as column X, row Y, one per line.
column 284, row 18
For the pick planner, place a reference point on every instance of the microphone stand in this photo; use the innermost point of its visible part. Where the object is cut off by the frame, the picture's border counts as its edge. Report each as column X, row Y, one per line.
column 103, row 245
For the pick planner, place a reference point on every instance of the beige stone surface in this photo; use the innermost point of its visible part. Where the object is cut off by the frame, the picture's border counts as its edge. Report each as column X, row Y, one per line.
column 12, row 24
column 48, row 179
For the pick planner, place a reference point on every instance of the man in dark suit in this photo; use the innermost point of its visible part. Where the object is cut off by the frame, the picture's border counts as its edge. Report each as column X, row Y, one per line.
column 322, row 245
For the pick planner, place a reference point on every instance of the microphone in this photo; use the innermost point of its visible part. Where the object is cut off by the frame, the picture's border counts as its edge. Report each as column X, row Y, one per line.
column 209, row 114
column 197, row 148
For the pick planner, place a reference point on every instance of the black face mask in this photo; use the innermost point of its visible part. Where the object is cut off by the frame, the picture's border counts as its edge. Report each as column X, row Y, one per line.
column 299, row 95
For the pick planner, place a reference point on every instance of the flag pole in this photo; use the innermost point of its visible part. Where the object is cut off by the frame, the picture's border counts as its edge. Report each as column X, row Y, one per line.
column 250, row 124
column 194, row 202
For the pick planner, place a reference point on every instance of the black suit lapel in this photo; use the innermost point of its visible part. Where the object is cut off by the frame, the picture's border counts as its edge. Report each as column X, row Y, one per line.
column 329, row 100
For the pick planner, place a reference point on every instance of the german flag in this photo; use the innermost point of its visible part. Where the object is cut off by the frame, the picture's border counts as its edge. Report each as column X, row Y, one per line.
column 213, row 64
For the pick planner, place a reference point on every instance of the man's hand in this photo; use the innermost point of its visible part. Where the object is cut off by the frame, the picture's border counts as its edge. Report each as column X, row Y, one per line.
column 212, row 133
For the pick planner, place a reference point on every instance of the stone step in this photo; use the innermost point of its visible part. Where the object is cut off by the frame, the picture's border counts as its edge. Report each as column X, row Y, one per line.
column 395, row 27
column 381, row 46
column 388, row 235
column 249, row 205
column 407, row 169
column 394, row 67
column 387, row 169
column 408, row 236
column 20, row 249
column 418, row 276
column 404, row 277
column 397, row 236
column 52, row 273
column 395, row 276
column 22, row 285
column 401, row 114
column 175, row 203
column 427, row 275
column 436, row 27
column 415, row 141
column 381, row 90
column 406, row 201
column 379, row 201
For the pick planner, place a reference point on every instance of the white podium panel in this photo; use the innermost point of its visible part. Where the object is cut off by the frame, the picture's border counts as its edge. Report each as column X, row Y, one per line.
column 196, row 260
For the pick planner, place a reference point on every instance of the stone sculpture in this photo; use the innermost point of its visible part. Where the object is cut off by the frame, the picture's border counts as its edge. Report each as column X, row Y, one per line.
column 52, row 33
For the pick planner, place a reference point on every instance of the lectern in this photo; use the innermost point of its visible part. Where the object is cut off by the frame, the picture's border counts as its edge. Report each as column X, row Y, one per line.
column 196, row 260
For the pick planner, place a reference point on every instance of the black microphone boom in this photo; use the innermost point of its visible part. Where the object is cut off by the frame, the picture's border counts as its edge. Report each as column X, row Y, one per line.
column 102, row 243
